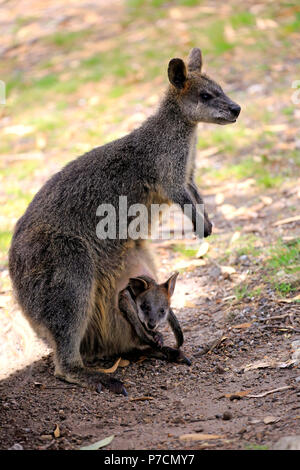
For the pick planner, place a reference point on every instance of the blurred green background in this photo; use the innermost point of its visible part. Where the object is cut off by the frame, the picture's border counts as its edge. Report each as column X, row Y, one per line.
column 81, row 74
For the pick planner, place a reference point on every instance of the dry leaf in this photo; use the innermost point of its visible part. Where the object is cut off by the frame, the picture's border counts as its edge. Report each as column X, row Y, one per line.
column 97, row 445
column 268, row 363
column 199, row 437
column 111, row 369
column 242, row 325
column 189, row 265
column 189, row 304
column 141, row 398
column 270, row 419
column 56, row 432
column 288, row 301
column 237, row 395
column 203, row 249
column 124, row 363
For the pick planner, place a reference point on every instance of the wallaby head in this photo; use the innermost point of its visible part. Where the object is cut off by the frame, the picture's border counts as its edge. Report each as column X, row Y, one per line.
column 199, row 97
column 152, row 300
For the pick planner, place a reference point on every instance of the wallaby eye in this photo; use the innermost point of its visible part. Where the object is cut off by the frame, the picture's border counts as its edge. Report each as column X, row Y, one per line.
column 206, row 96
column 145, row 307
column 161, row 311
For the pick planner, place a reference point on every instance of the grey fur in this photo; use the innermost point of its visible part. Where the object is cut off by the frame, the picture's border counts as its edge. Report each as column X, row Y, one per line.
column 65, row 279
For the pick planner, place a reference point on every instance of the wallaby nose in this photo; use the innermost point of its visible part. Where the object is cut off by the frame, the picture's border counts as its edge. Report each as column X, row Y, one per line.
column 151, row 324
column 235, row 109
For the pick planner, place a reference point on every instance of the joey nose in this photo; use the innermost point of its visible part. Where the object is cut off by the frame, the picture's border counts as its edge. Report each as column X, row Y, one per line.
column 235, row 109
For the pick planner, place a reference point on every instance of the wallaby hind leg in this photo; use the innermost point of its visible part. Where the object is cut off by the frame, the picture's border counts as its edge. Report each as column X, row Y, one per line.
column 59, row 302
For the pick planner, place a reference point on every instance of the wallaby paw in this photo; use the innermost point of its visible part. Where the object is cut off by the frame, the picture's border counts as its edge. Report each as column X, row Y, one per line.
column 176, row 355
column 183, row 359
column 159, row 339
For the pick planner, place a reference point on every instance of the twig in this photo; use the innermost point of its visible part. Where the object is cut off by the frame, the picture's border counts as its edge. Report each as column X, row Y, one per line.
column 297, row 330
column 280, row 389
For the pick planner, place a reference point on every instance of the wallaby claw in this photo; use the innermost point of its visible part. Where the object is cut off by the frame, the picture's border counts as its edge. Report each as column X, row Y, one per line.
column 159, row 339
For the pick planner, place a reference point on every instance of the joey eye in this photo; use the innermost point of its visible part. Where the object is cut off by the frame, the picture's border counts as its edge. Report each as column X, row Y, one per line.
column 206, row 96
column 161, row 311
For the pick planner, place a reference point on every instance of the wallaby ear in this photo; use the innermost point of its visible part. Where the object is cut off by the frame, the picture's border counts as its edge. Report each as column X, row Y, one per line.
column 177, row 73
column 170, row 284
column 195, row 60
column 138, row 285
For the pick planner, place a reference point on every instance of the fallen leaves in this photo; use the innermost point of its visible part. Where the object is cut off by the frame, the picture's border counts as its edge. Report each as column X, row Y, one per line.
column 144, row 398
column 290, row 300
column 56, row 432
column 270, row 419
column 268, row 363
column 119, row 363
column 199, row 437
column 237, row 395
column 97, row 445
column 242, row 325
column 203, row 249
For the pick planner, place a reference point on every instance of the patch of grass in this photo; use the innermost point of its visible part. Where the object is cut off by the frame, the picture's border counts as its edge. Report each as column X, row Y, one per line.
column 249, row 168
column 226, row 138
column 294, row 25
column 5, row 239
column 243, row 291
column 218, row 42
column 17, row 203
column 20, row 170
column 256, row 447
column 186, row 252
column 243, row 18
column 284, row 255
column 67, row 39
column 285, row 288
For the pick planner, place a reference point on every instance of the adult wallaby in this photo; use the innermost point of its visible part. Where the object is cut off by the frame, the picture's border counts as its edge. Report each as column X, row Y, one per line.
column 64, row 277
column 146, row 306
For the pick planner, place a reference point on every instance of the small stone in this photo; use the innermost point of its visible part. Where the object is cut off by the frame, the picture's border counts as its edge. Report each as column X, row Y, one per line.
column 227, row 416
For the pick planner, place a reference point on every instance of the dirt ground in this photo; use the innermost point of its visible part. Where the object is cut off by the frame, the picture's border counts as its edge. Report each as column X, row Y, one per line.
column 166, row 401
column 237, row 301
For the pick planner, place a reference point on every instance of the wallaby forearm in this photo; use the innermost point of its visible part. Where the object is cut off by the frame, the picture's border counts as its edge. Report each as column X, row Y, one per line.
column 174, row 324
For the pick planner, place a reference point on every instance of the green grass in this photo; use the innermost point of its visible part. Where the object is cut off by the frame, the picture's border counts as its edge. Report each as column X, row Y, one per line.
column 67, row 39
column 284, row 255
column 285, row 288
column 216, row 35
column 186, row 252
column 249, row 168
column 256, row 447
column 243, row 18
column 5, row 239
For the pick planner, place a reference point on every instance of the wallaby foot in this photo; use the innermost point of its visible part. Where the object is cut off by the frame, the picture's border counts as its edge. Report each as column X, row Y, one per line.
column 87, row 377
column 174, row 355
column 168, row 354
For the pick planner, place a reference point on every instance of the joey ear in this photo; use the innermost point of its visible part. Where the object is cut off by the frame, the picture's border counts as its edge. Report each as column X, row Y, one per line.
column 170, row 284
column 177, row 73
column 195, row 60
column 138, row 285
